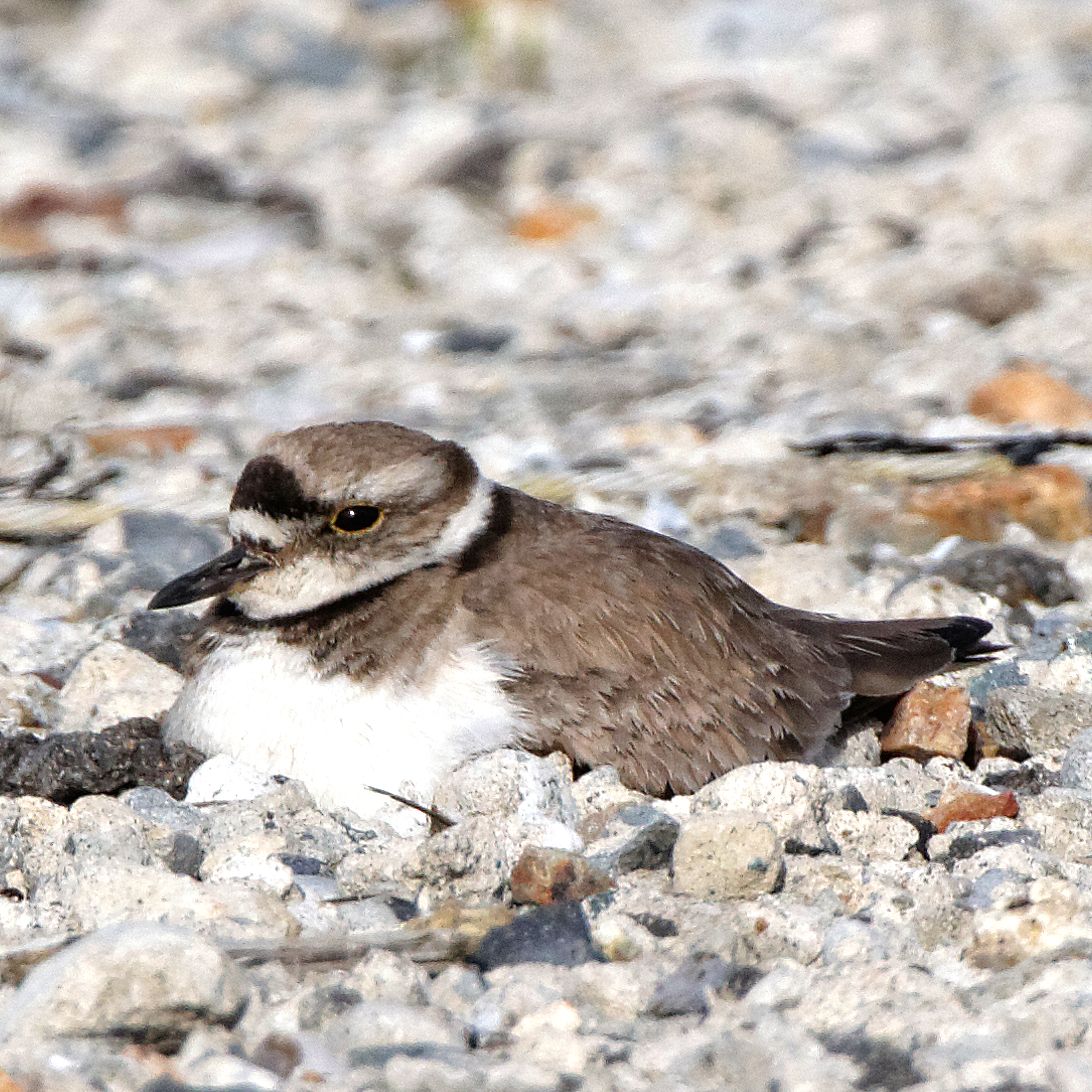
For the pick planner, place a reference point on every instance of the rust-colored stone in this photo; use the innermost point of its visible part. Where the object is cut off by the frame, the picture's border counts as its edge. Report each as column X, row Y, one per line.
column 154, row 440
column 957, row 805
column 552, row 221
column 545, row 876
column 23, row 217
column 930, row 720
column 1028, row 394
column 1051, row 500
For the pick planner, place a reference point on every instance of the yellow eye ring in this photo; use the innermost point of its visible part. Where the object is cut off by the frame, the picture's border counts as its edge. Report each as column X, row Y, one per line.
column 356, row 519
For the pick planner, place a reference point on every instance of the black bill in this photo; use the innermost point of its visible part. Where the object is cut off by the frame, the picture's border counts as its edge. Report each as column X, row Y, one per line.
column 218, row 575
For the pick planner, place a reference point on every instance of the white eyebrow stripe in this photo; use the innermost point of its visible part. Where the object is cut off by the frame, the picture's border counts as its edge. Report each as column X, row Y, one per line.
column 465, row 524
column 252, row 524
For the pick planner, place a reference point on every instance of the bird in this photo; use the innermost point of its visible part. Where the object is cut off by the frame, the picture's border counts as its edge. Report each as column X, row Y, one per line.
column 386, row 612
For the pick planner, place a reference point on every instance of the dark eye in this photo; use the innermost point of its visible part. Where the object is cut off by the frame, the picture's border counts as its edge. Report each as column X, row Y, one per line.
column 355, row 519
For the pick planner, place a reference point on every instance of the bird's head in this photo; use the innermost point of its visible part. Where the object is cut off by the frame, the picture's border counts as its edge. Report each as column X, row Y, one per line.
column 329, row 511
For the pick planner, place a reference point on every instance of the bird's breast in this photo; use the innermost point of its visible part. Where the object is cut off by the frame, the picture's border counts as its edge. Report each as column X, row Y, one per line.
column 264, row 703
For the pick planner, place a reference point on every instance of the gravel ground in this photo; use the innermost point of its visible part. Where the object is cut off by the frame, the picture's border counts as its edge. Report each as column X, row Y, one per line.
column 628, row 253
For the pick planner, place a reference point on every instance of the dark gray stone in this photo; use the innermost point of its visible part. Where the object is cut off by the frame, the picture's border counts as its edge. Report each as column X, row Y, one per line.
column 466, row 338
column 165, row 635
column 636, row 836
column 556, row 934
column 967, row 845
column 690, row 988
column 282, row 50
column 167, row 542
column 732, row 540
column 65, row 766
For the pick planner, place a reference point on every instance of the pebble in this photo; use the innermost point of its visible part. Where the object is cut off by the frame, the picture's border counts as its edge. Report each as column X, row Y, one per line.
column 546, row 934
column 67, row 765
column 547, row 876
column 930, row 720
column 114, row 683
column 140, row 982
column 691, row 987
column 1012, row 574
column 1028, row 720
column 629, row 837
column 222, row 778
column 728, row 855
column 1028, row 394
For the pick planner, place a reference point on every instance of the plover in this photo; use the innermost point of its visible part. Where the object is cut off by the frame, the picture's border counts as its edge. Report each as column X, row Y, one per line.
column 386, row 612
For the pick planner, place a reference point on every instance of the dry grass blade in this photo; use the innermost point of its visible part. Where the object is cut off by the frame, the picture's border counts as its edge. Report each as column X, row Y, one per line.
column 47, row 520
column 17, row 962
column 422, row 946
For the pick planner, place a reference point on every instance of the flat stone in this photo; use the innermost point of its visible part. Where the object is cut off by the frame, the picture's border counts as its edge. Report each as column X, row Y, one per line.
column 507, row 782
column 958, row 804
column 1027, row 720
column 1030, row 395
column 48, row 645
column 67, row 765
column 872, row 836
column 691, row 987
column 733, row 855
column 994, row 296
column 787, row 794
column 370, row 1033
column 223, row 778
column 142, row 982
column 1012, row 574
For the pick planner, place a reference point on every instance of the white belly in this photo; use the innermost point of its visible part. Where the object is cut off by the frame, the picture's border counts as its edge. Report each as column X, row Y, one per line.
column 262, row 703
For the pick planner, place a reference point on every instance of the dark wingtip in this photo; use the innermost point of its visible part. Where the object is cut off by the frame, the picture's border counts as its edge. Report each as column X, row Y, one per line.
column 964, row 633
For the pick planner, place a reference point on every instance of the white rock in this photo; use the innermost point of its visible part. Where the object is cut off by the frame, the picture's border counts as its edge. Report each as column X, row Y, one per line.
column 870, row 835
column 727, row 855
column 112, row 683
column 141, row 981
column 223, row 778
column 34, row 644
column 251, row 861
column 786, row 793
column 106, row 893
column 511, row 783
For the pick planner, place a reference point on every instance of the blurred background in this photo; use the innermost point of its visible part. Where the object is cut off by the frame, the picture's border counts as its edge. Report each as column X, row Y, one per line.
column 626, row 251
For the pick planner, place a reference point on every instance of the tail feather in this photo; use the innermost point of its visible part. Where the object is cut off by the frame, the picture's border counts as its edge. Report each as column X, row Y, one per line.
column 888, row 657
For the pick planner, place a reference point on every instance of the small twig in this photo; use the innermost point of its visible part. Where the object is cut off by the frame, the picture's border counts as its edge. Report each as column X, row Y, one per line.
column 438, row 819
column 81, row 261
column 57, row 465
column 1021, row 449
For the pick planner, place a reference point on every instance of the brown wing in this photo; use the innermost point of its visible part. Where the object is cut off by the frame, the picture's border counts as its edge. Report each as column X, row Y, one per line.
column 641, row 652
